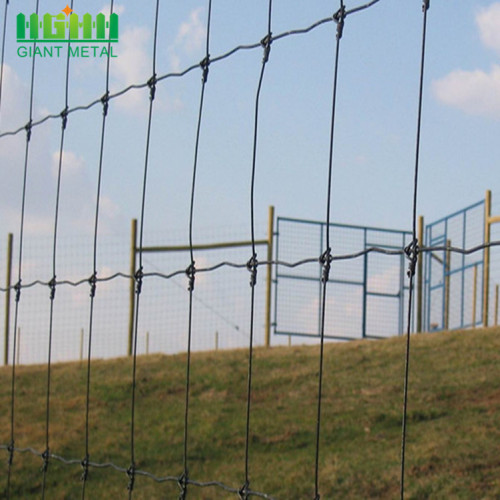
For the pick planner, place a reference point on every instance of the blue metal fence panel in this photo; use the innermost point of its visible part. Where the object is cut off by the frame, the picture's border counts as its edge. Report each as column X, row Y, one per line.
column 367, row 297
column 448, row 280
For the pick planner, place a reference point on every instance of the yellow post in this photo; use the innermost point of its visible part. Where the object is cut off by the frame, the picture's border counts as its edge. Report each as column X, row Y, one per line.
column 7, row 299
column 474, row 298
column 81, row 344
column 18, row 353
column 496, row 305
column 420, row 275
column 447, row 286
column 131, row 314
column 270, row 234
column 486, row 270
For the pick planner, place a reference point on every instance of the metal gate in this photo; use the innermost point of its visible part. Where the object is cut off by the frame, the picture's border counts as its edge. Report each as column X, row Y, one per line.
column 367, row 296
column 453, row 283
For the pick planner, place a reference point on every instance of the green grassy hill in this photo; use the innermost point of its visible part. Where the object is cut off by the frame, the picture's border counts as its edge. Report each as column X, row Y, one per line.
column 453, row 447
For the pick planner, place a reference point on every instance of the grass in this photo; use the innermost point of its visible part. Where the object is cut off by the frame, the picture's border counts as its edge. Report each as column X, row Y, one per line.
column 453, row 422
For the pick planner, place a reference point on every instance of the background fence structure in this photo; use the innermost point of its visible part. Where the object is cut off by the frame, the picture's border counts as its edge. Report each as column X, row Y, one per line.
column 461, row 289
column 453, row 283
column 368, row 295
column 162, row 326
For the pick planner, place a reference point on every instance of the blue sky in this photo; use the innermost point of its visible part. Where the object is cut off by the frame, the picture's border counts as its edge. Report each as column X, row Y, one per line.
column 375, row 128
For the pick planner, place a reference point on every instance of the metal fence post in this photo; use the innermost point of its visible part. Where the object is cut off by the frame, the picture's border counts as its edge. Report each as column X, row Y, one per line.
column 486, row 269
column 420, row 275
column 496, row 305
column 82, row 333
column 18, row 351
column 365, row 287
column 131, row 316
column 270, row 234
column 447, row 268
column 7, row 299
column 474, row 298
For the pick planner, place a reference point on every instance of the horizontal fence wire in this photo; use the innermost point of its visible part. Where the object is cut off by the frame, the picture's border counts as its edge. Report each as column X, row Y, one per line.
column 243, row 265
column 138, row 472
column 109, row 96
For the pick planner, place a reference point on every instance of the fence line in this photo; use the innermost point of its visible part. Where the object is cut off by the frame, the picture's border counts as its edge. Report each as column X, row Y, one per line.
column 284, row 314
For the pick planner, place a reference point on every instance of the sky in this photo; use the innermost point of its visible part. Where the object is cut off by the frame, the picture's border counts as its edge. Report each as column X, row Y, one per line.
column 374, row 153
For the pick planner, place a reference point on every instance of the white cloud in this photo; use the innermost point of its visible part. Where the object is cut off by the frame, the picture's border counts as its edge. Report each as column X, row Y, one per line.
column 488, row 22
column 109, row 209
column 40, row 185
column 14, row 100
column 191, row 33
column 71, row 163
column 117, row 9
column 132, row 66
column 189, row 40
column 476, row 92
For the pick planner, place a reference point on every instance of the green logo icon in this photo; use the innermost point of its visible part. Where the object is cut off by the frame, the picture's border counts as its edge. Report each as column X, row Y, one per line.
column 67, row 27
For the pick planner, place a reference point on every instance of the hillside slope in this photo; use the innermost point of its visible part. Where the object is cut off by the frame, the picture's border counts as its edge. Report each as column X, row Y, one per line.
column 453, row 428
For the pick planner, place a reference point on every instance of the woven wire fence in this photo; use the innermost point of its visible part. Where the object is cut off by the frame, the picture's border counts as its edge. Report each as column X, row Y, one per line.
column 220, row 300
column 189, row 274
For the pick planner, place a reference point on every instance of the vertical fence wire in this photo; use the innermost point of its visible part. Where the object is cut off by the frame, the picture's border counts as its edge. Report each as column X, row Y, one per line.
column 93, row 278
column 191, row 270
column 139, row 274
column 17, row 286
column 53, row 281
column 326, row 257
column 252, row 264
column 412, row 250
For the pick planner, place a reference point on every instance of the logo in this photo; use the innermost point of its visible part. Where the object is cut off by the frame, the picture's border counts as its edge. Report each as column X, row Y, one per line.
column 87, row 36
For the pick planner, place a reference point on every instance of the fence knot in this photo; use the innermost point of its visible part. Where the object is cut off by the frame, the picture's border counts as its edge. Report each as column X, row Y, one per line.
column 17, row 288
column 139, row 274
column 131, row 476
column 152, row 87
column 266, row 44
column 425, row 5
column 244, row 491
column 412, row 251
column 105, row 103
column 326, row 261
column 93, row 284
column 64, row 116
column 252, row 265
column 190, row 273
column 85, row 466
column 45, row 458
column 204, row 64
column 339, row 18
column 28, row 127
column 10, row 449
column 52, row 286
column 182, row 482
